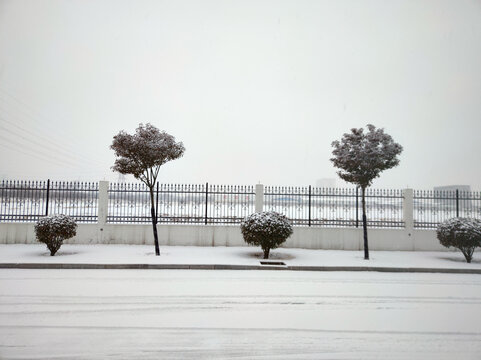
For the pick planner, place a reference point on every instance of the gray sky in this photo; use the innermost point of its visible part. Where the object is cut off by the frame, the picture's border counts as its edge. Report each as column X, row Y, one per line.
column 256, row 90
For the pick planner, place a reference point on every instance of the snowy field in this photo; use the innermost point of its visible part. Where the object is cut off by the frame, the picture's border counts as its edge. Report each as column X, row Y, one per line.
column 195, row 314
column 144, row 254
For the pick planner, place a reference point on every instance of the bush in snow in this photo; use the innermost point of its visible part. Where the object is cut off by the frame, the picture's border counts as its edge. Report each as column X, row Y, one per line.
column 53, row 230
column 266, row 229
column 461, row 233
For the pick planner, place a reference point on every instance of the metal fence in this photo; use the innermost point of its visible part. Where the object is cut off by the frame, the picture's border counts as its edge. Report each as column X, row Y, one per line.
column 185, row 204
column 336, row 207
column 30, row 200
column 434, row 207
column 226, row 204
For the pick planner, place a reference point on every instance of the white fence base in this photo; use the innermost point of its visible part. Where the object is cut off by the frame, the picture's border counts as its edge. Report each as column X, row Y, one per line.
column 218, row 235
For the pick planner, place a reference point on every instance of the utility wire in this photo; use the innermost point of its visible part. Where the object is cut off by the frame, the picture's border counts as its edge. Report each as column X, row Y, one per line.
column 45, row 146
column 35, row 116
column 20, row 107
column 47, row 140
column 35, row 152
column 31, row 154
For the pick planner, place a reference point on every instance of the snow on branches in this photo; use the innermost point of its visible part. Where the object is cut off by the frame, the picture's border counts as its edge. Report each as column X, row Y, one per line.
column 142, row 153
column 361, row 156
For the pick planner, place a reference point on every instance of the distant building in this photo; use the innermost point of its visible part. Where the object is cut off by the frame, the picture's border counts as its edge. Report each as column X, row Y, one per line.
column 453, row 188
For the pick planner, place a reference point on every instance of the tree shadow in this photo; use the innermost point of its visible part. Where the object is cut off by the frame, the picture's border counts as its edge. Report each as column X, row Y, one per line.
column 459, row 258
column 58, row 253
column 273, row 255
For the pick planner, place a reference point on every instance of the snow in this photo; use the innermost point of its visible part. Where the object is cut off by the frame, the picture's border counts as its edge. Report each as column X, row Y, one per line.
column 194, row 314
column 466, row 227
column 205, row 314
column 269, row 219
column 144, row 254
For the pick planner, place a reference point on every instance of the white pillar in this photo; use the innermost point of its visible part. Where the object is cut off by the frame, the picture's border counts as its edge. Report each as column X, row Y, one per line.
column 103, row 202
column 259, row 197
column 408, row 210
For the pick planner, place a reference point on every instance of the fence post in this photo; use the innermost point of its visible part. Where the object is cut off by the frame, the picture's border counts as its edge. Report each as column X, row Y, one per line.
column 457, row 202
column 259, row 198
column 357, row 206
column 206, row 200
column 103, row 203
column 157, row 205
column 309, row 205
column 46, row 200
column 408, row 210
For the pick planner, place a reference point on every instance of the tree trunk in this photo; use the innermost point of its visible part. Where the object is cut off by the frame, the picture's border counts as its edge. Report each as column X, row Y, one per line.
column 468, row 255
column 364, row 223
column 53, row 247
column 266, row 253
column 154, row 220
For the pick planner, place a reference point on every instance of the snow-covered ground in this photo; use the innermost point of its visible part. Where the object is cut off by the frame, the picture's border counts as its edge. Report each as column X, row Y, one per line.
column 195, row 314
column 140, row 254
column 180, row 314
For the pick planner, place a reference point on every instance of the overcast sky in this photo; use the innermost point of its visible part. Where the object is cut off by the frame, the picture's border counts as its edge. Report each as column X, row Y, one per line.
column 256, row 90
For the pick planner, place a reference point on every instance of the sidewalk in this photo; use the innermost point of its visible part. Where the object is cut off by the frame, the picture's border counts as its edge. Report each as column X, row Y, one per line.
column 234, row 258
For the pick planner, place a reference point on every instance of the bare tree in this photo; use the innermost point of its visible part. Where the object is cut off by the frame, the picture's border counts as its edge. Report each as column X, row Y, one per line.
column 142, row 155
column 361, row 157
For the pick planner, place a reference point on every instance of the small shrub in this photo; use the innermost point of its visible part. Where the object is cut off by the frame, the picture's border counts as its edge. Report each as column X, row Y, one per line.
column 53, row 230
column 266, row 229
column 461, row 233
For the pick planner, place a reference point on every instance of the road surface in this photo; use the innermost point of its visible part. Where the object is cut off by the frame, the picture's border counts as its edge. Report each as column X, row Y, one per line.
column 187, row 314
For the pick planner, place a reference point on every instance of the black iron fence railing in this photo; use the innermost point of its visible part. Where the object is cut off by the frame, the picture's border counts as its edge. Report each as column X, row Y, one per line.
column 433, row 207
column 188, row 204
column 336, row 206
column 30, row 200
column 225, row 204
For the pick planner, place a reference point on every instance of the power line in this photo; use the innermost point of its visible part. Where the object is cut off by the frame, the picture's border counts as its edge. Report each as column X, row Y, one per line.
column 35, row 116
column 35, row 152
column 32, row 154
column 46, row 145
column 43, row 124
column 47, row 140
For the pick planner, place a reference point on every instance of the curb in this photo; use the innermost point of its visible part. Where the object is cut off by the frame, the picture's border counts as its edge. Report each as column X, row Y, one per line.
column 234, row 267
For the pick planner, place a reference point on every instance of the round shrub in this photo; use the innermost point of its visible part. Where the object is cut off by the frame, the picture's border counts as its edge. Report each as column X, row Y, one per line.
column 267, row 229
column 461, row 233
column 53, row 230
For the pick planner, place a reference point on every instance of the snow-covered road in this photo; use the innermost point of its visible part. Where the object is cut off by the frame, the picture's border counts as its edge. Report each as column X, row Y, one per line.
column 186, row 314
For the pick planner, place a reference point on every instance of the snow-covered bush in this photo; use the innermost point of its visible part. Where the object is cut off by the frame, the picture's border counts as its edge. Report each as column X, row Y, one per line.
column 267, row 229
column 461, row 233
column 53, row 230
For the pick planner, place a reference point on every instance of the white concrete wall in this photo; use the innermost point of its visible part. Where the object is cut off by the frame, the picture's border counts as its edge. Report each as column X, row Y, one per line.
column 217, row 235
